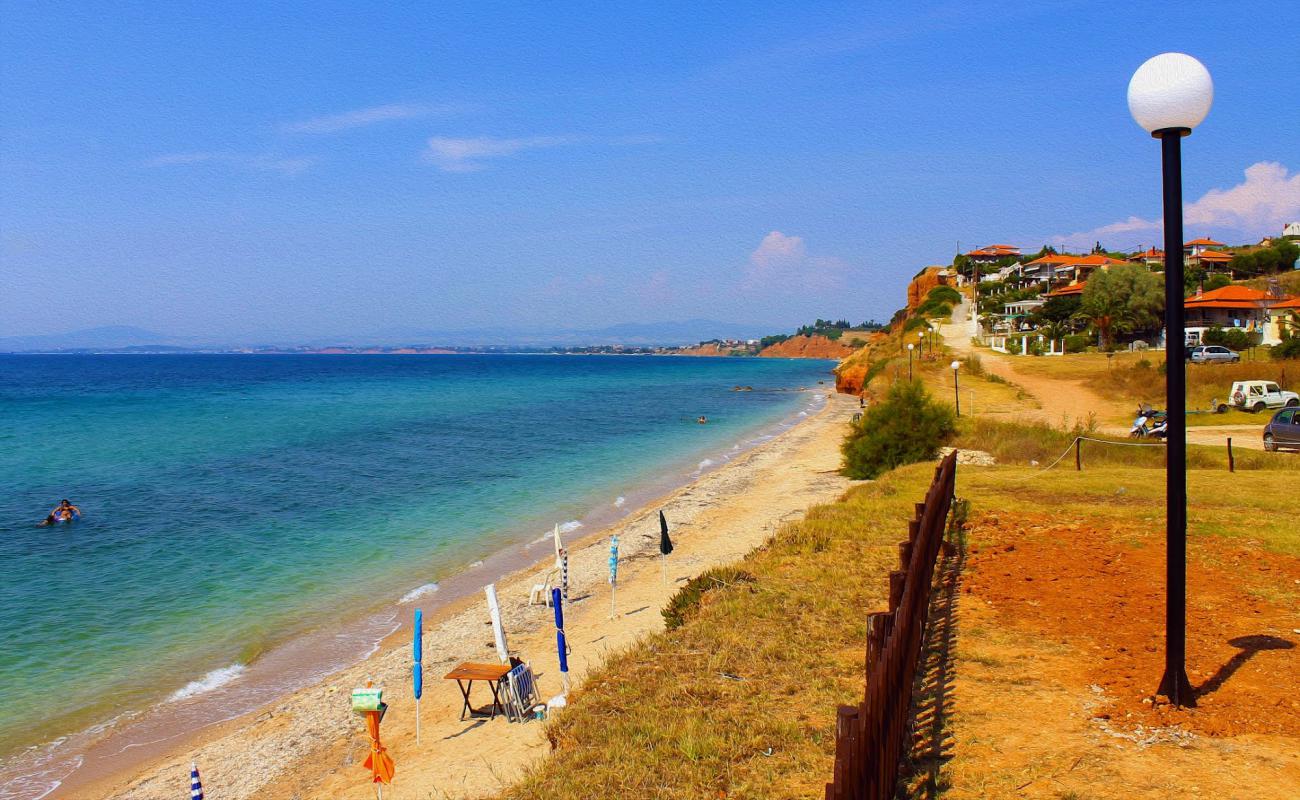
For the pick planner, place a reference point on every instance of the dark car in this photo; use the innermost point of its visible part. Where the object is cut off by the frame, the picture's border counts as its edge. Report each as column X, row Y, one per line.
column 1283, row 430
column 1210, row 353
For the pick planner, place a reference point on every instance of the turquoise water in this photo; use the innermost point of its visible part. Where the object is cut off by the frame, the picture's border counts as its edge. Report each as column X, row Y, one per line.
column 232, row 502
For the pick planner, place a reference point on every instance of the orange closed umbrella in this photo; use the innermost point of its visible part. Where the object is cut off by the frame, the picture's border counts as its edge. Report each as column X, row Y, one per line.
column 378, row 762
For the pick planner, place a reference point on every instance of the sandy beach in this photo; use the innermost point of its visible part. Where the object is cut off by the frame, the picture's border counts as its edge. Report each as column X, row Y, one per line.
column 309, row 744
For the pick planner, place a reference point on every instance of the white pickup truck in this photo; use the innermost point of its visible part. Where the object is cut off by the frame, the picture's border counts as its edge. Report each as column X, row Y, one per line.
column 1257, row 396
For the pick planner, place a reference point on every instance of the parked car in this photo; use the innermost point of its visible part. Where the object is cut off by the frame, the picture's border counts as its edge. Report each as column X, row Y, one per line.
column 1283, row 430
column 1258, row 395
column 1211, row 353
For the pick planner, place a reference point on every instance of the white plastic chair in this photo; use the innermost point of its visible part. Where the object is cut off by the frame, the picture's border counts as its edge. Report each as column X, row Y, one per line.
column 541, row 592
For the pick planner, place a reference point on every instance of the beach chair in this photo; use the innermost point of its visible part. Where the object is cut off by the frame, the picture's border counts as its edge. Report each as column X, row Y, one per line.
column 541, row 592
column 521, row 693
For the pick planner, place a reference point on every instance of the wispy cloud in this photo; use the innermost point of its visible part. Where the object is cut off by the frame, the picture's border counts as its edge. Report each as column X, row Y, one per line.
column 1258, row 206
column 259, row 163
column 362, row 117
column 470, row 154
column 781, row 260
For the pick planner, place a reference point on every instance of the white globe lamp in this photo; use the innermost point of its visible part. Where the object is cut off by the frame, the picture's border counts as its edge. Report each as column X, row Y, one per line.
column 1170, row 92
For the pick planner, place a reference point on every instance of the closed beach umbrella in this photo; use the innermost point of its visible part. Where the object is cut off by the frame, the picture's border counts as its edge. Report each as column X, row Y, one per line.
column 498, row 631
column 417, row 669
column 613, row 572
column 561, row 645
column 665, row 547
column 378, row 762
column 196, row 785
column 564, row 573
column 559, row 546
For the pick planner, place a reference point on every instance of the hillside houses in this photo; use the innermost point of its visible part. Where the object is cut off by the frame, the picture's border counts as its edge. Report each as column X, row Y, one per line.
column 1018, row 294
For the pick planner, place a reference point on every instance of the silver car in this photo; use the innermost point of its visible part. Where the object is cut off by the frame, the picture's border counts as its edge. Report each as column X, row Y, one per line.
column 1211, row 353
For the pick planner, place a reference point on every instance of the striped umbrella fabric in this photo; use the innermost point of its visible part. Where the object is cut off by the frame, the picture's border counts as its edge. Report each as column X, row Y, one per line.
column 564, row 573
column 613, row 574
column 196, row 785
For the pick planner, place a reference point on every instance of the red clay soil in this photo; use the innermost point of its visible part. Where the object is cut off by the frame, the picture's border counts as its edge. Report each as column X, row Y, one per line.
column 1101, row 593
column 807, row 347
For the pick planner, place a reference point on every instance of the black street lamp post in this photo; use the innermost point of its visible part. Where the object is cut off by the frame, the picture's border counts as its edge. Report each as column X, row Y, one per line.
column 1168, row 96
column 956, row 391
column 910, row 348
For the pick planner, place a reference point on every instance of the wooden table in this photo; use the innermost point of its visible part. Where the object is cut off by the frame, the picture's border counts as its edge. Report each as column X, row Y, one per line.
column 467, row 673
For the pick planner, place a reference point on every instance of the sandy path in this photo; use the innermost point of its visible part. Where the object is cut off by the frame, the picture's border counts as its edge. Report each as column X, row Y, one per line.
column 1057, row 399
column 310, row 746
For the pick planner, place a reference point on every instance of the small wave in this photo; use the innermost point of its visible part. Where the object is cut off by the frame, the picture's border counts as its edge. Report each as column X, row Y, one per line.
column 213, row 680
column 418, row 592
column 476, row 565
column 803, row 413
column 619, row 501
column 705, row 464
column 571, row 525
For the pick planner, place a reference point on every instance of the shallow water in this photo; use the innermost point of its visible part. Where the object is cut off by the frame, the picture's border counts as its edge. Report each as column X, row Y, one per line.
column 235, row 502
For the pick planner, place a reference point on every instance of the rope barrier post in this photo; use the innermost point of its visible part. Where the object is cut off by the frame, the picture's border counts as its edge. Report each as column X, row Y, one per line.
column 1078, row 454
column 1232, row 464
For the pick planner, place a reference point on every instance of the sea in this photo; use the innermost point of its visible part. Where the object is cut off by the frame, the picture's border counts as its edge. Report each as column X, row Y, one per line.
column 252, row 522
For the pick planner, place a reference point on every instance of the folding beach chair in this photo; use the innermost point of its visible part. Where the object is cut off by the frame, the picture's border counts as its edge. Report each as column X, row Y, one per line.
column 521, row 693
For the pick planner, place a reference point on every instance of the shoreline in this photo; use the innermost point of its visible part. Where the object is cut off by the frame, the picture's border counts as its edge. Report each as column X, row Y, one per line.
column 98, row 782
column 308, row 744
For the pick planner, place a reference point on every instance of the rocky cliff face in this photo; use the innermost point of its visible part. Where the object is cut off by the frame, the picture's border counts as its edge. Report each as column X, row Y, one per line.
column 807, row 347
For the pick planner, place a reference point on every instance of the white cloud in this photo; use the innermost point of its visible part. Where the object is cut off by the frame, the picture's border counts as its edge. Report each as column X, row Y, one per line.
column 333, row 123
column 285, row 166
column 470, row 154
column 1258, row 206
column 783, row 261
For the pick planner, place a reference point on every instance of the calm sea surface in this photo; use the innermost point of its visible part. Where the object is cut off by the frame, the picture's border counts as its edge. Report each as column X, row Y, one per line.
column 234, row 502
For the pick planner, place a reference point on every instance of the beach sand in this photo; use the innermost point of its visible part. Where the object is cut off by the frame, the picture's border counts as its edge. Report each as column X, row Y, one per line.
column 310, row 746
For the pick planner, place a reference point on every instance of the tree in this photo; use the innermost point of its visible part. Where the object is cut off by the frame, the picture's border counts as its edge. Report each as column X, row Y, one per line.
column 1124, row 298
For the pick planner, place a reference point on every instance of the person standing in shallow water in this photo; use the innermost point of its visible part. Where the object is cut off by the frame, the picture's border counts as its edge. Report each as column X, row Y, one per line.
column 65, row 511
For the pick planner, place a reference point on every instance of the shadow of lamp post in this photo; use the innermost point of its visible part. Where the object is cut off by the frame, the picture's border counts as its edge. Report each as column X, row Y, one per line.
column 1168, row 96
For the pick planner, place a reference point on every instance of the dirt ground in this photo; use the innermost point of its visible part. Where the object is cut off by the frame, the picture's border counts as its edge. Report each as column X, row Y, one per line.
column 1057, row 648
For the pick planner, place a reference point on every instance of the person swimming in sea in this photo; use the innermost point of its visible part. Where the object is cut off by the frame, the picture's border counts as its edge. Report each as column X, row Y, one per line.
column 703, row 420
column 63, row 512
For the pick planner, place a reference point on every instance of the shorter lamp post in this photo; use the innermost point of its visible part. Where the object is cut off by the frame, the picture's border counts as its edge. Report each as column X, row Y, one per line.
column 956, row 392
column 920, row 343
column 910, row 348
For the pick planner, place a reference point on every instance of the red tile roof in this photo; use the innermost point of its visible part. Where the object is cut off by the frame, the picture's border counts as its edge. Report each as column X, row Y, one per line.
column 1052, row 259
column 1229, row 297
column 1293, row 302
column 1215, row 255
column 1203, row 242
column 1074, row 288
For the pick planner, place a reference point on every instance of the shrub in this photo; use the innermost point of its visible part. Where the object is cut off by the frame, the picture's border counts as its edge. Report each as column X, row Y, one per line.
column 973, row 365
column 1233, row 338
column 915, row 323
column 906, row 427
column 687, row 599
column 1036, row 348
column 1077, row 343
column 1288, row 349
column 944, row 294
column 1013, row 346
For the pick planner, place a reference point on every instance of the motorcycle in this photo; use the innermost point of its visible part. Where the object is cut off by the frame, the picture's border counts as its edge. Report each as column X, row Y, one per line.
column 1150, row 423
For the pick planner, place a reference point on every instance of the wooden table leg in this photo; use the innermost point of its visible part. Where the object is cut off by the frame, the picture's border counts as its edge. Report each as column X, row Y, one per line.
column 496, row 699
column 464, row 690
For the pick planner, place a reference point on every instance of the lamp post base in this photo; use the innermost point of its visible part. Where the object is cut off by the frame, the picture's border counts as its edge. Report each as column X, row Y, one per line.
column 1177, row 688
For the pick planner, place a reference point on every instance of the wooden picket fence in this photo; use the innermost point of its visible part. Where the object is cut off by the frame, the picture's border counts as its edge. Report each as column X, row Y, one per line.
column 871, row 737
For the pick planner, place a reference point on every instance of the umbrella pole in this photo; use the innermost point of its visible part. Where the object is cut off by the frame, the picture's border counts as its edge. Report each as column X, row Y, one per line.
column 663, row 568
column 417, row 723
column 613, row 589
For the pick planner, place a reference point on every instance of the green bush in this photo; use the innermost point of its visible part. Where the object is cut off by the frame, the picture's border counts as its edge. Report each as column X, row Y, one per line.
column 906, row 427
column 1036, row 348
column 1077, row 343
column 1288, row 349
column 914, row 323
column 1232, row 338
column 1013, row 345
column 687, row 599
column 944, row 294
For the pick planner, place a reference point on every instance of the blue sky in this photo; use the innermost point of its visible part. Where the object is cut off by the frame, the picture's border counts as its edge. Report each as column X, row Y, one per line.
column 342, row 168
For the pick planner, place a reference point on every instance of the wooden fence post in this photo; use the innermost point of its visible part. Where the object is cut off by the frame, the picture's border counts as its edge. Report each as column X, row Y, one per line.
column 1078, row 454
column 1232, row 464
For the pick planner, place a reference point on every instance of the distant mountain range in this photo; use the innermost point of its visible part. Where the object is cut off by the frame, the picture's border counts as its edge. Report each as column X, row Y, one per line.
column 125, row 338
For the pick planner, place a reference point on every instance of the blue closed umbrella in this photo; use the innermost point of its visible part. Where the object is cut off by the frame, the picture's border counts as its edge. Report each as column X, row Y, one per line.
column 417, row 671
column 560, row 643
